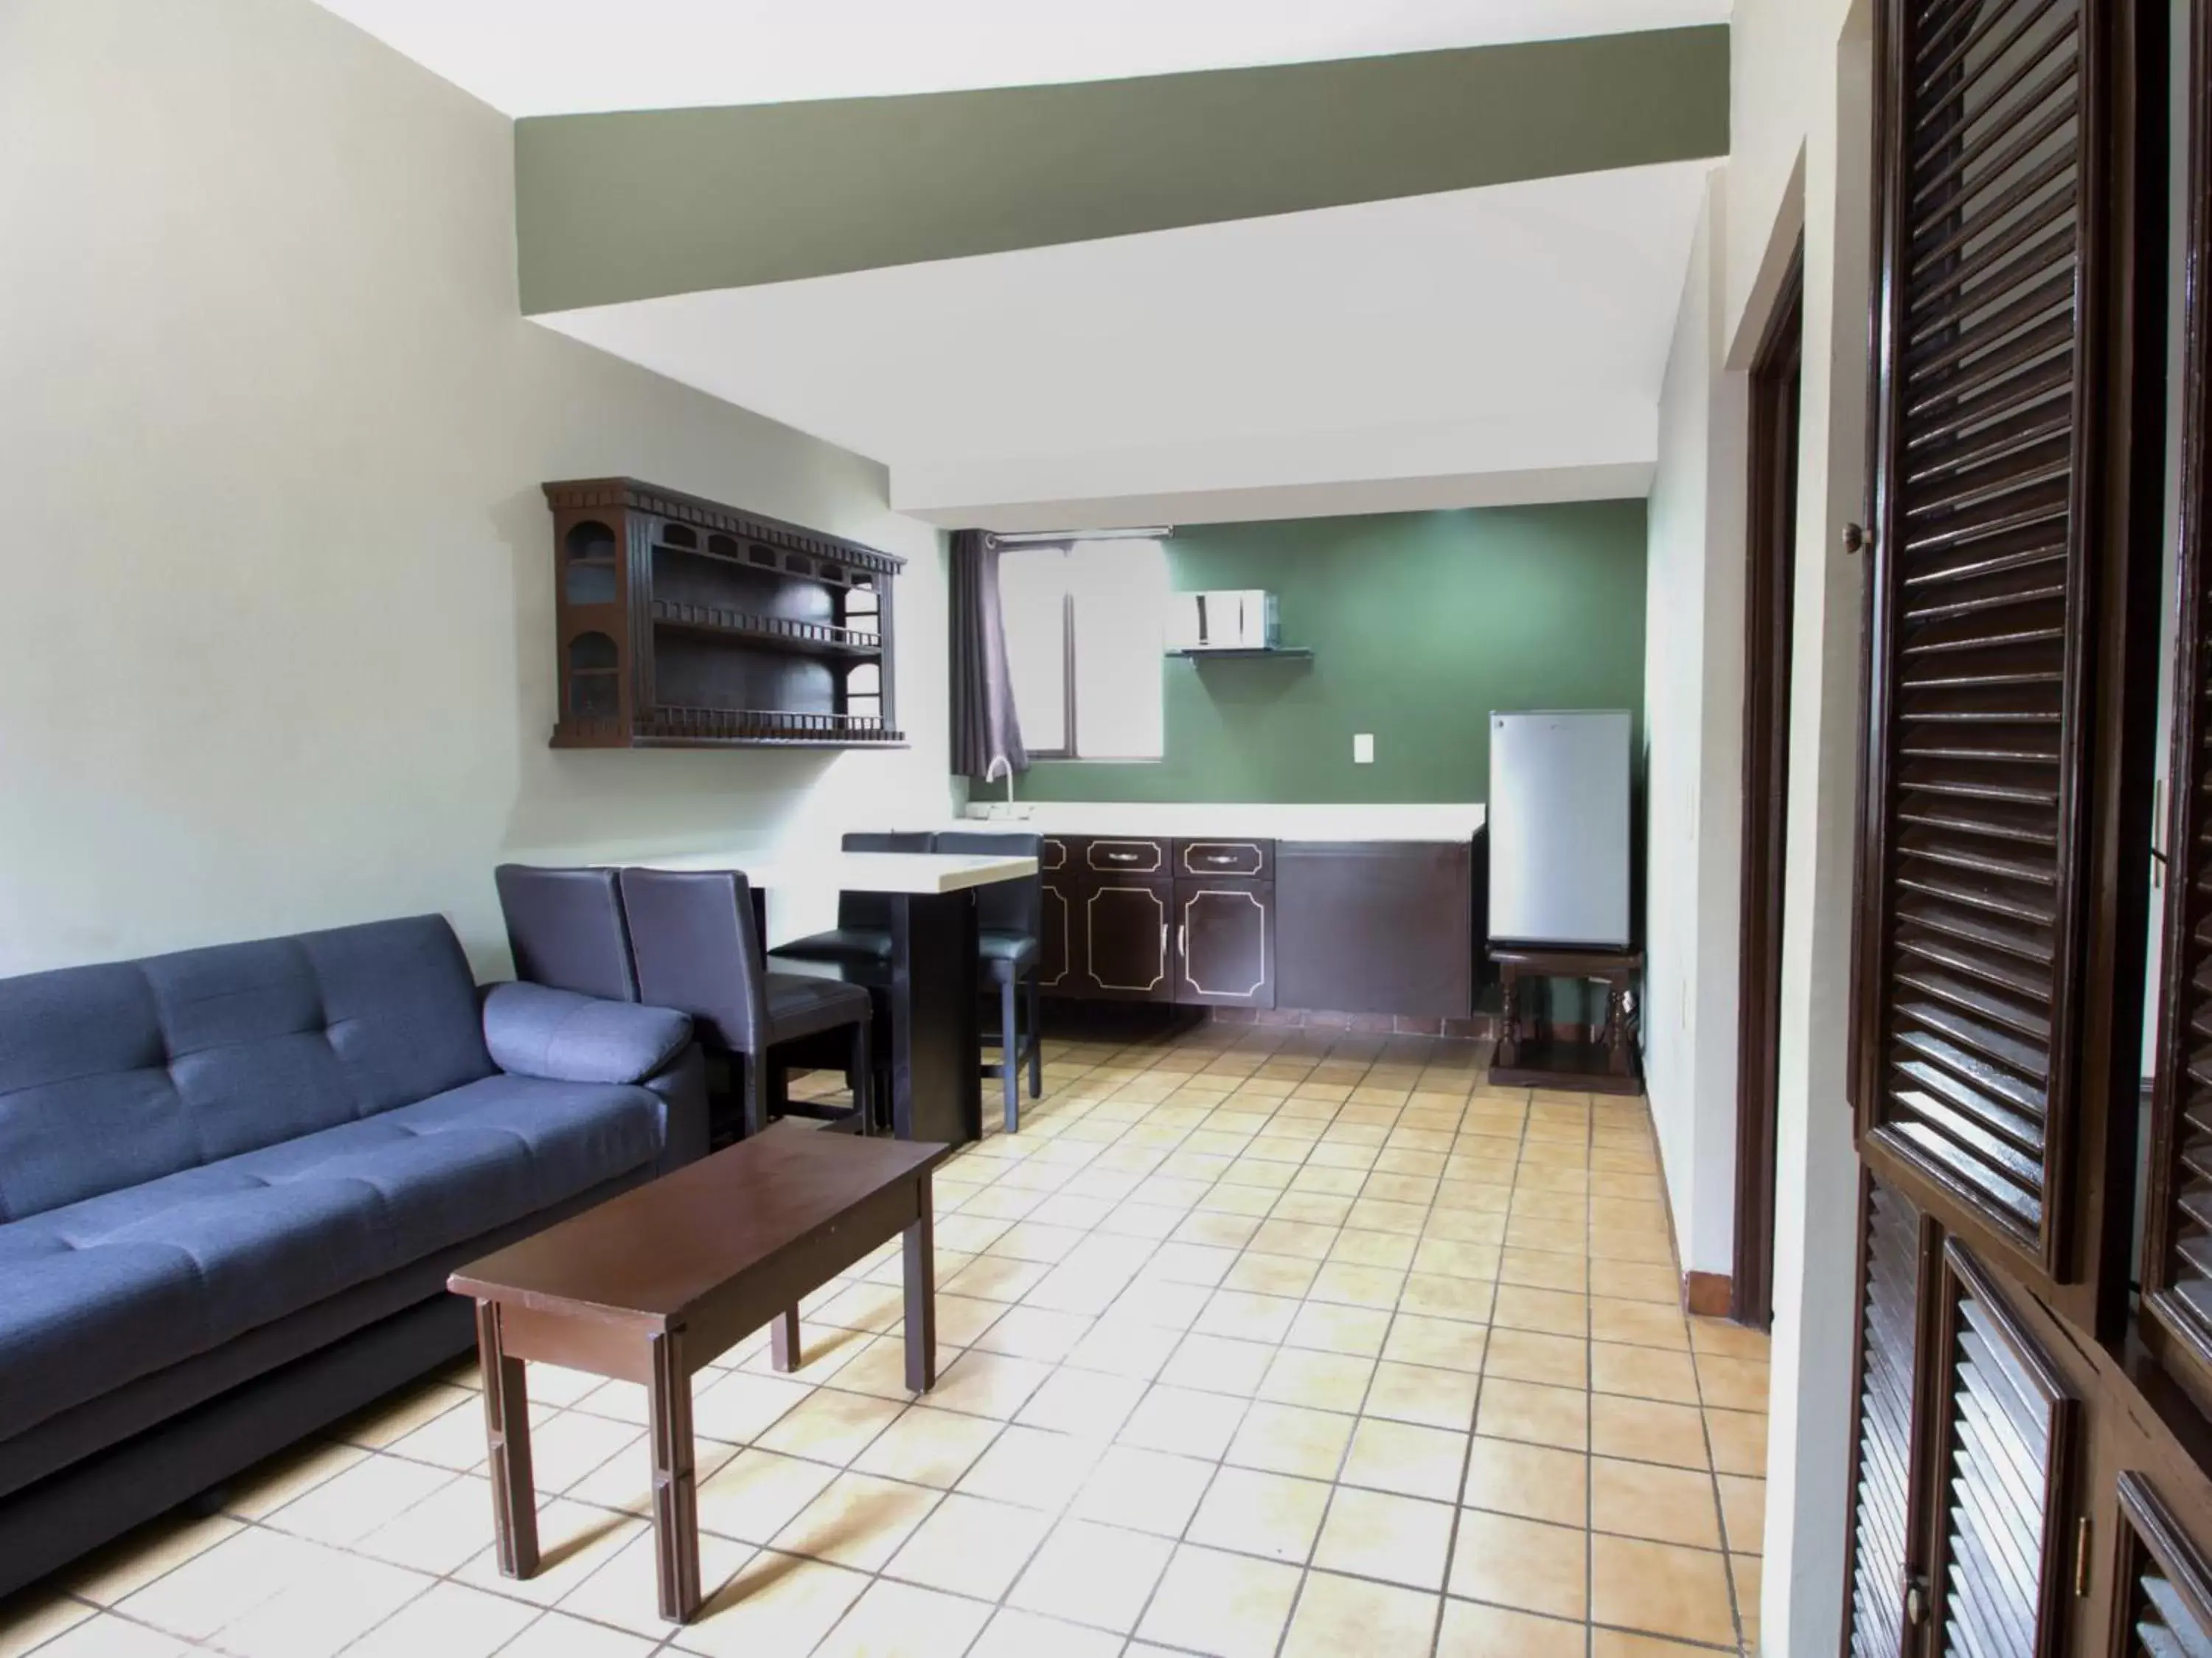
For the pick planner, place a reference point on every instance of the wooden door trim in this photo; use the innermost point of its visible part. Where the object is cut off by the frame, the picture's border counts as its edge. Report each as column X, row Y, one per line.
column 1769, row 587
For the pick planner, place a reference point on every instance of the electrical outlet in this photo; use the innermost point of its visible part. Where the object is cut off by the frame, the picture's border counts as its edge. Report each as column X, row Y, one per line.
column 1362, row 748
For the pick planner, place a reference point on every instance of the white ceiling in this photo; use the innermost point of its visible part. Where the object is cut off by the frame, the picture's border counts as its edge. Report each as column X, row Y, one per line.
column 553, row 57
column 1520, row 328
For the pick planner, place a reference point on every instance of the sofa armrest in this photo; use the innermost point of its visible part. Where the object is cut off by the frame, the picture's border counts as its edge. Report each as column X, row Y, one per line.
column 686, row 1117
column 533, row 1030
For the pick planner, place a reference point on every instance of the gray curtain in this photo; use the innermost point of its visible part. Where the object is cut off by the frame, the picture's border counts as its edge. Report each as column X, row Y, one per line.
column 984, row 727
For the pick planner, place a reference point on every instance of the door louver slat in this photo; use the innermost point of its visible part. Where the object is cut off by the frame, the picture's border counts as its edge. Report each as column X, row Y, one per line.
column 1890, row 1268
column 1979, row 585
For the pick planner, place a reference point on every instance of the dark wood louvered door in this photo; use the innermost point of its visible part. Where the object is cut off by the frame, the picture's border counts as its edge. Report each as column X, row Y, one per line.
column 2162, row 1603
column 2001, row 1578
column 2008, row 593
column 2010, row 715
column 1886, row 1595
column 2176, row 1268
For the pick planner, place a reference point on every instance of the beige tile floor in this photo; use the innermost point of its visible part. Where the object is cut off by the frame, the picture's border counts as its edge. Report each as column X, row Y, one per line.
column 1251, row 1343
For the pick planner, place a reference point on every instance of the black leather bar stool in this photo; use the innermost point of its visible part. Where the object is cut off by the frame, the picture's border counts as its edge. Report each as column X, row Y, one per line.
column 693, row 938
column 860, row 945
column 566, row 929
column 1009, row 918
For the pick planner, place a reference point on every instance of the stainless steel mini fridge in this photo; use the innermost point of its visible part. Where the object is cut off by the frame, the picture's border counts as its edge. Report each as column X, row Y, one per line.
column 1557, row 822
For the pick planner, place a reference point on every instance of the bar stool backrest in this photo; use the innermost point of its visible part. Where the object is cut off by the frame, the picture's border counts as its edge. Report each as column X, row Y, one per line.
column 1003, row 907
column 872, row 910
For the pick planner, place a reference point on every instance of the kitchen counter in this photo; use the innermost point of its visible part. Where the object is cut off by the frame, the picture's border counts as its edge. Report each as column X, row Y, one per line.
column 1448, row 821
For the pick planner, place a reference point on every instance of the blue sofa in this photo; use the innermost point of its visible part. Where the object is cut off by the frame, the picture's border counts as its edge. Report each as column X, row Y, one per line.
column 232, row 1182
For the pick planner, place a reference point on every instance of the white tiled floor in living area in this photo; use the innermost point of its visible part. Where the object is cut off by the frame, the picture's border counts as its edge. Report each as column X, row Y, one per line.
column 1252, row 1342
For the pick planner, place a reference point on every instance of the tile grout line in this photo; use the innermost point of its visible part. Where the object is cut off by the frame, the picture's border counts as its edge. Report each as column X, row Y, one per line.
column 1474, row 1417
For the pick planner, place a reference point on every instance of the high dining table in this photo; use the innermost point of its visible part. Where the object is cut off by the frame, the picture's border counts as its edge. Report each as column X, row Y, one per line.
column 936, row 1050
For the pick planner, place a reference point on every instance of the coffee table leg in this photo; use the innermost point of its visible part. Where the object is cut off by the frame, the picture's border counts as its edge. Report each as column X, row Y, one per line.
column 785, row 1338
column 675, row 1491
column 922, row 1292
column 507, row 1437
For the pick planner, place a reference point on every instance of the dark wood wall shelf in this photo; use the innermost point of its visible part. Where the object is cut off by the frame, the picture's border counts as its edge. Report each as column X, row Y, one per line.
column 768, row 632
column 686, row 624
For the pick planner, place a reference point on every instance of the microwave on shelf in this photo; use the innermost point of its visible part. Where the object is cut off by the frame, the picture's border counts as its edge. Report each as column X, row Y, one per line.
column 1234, row 618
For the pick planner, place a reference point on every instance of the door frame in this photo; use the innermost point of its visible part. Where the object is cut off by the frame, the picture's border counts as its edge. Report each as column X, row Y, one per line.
column 1770, row 588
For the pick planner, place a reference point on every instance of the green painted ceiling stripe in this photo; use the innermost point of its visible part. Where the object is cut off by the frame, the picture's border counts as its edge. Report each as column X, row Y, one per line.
column 633, row 205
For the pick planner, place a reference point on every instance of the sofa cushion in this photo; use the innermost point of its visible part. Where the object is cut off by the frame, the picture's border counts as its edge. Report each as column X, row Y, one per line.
column 105, row 1290
column 116, row 1075
column 534, row 1030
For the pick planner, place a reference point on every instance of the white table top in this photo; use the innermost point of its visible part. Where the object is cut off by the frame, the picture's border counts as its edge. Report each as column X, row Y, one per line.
column 847, row 872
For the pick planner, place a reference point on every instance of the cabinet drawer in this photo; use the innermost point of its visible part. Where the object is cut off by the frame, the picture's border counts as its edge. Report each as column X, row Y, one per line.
column 1254, row 858
column 1136, row 857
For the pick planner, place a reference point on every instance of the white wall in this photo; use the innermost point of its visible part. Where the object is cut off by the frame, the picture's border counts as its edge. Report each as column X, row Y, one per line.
column 1800, row 124
column 1693, row 703
column 276, row 639
column 1800, row 138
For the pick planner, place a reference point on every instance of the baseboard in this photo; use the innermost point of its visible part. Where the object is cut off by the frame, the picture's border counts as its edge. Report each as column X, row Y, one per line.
column 1708, row 1295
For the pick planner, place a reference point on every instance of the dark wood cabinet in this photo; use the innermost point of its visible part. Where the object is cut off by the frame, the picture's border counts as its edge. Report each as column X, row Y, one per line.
column 685, row 624
column 1225, row 942
column 1375, row 927
column 1125, row 925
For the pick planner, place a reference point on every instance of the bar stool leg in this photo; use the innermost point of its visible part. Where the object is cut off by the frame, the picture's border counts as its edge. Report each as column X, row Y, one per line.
column 863, row 1077
column 1037, row 1035
column 1010, row 1056
column 756, row 1093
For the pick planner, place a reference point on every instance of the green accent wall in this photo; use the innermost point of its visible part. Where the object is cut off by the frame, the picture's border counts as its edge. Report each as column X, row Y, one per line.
column 640, row 204
column 1420, row 624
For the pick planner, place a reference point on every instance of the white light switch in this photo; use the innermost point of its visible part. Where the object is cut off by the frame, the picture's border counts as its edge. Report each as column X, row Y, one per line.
column 1362, row 748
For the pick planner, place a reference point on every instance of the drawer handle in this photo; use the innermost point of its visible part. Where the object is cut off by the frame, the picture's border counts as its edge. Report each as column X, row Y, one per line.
column 1122, row 858
column 1221, row 857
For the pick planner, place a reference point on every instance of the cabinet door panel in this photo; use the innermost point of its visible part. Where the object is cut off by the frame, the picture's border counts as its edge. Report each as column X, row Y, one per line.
column 1224, row 943
column 1125, row 926
column 1059, row 942
column 1375, row 927
column 1059, row 939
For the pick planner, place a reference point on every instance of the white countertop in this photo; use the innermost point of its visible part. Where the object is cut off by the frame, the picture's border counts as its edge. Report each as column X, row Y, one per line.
column 1193, row 821
column 846, row 872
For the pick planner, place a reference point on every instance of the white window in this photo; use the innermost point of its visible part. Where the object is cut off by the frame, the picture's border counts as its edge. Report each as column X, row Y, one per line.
column 1084, row 636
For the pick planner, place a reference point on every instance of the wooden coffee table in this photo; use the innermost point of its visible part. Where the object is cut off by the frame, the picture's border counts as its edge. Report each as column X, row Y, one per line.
column 654, row 1284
